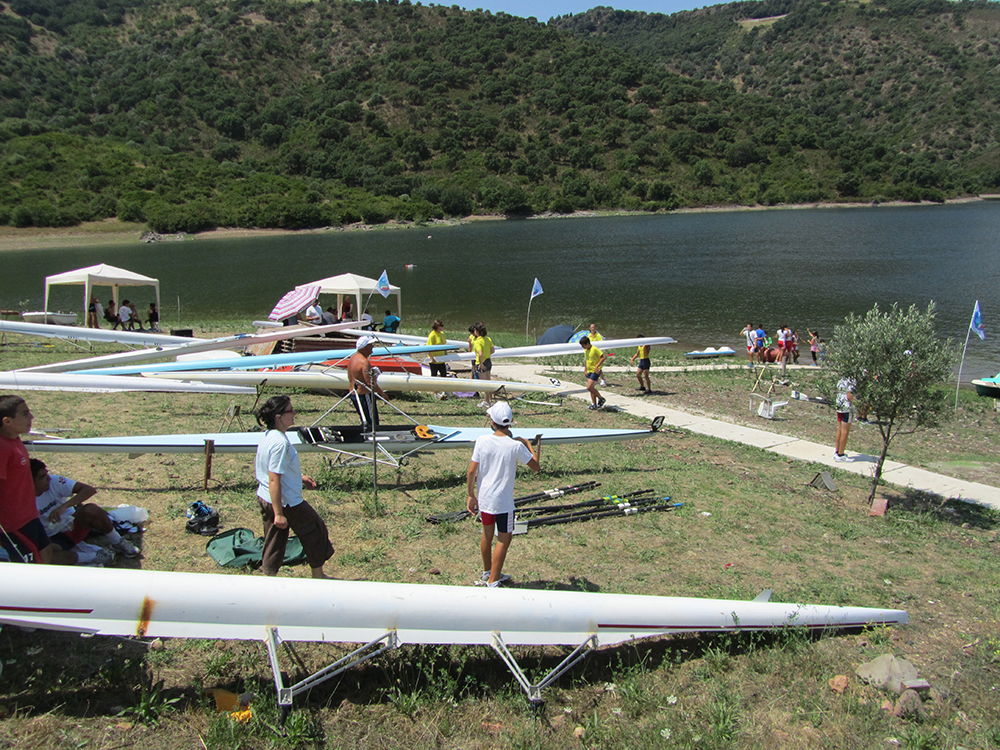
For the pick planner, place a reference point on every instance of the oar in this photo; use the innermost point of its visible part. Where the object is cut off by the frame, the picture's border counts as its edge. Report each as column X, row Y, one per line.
column 557, row 492
column 603, row 514
column 606, row 500
column 459, row 515
column 619, row 506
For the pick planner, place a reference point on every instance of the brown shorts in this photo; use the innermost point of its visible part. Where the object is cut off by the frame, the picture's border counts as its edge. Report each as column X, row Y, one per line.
column 308, row 527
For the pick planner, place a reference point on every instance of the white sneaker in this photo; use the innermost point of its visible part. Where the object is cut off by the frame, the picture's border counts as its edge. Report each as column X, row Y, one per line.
column 483, row 405
column 101, row 558
column 484, row 580
column 125, row 547
column 838, row 457
column 603, row 381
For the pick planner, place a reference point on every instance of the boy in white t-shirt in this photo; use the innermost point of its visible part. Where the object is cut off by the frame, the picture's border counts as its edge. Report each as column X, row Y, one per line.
column 491, row 472
column 68, row 522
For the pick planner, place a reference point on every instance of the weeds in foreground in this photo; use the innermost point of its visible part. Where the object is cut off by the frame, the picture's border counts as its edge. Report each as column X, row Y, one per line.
column 917, row 737
column 153, row 703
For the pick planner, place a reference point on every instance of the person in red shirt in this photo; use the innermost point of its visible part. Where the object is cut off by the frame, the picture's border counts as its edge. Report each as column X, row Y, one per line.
column 22, row 534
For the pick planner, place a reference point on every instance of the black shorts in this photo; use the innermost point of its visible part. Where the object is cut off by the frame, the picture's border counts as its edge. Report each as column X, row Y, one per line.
column 367, row 408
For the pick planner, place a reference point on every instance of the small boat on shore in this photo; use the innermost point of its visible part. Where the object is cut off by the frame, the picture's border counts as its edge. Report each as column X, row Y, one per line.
column 711, row 351
column 50, row 318
column 989, row 387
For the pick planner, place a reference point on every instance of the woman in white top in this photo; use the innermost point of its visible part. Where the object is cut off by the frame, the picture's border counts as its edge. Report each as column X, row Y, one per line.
column 279, row 492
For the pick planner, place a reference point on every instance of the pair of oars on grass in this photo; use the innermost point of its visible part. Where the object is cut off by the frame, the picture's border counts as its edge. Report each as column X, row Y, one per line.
column 627, row 504
column 605, row 507
column 459, row 515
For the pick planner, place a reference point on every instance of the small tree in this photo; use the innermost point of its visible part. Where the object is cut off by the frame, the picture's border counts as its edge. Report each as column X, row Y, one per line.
column 899, row 367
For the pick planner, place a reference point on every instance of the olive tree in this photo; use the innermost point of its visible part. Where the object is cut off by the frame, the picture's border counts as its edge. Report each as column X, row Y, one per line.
column 899, row 366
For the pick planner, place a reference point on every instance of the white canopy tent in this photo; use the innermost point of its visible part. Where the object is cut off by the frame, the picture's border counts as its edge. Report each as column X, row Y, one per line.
column 100, row 275
column 360, row 287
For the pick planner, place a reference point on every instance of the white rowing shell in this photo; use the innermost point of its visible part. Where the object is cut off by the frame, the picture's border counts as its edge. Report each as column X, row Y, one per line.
column 288, row 359
column 554, row 350
column 191, row 346
column 140, row 338
column 336, row 378
column 67, row 381
column 196, row 605
column 393, row 439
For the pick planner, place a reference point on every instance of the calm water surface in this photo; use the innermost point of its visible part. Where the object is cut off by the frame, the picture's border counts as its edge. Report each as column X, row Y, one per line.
column 696, row 277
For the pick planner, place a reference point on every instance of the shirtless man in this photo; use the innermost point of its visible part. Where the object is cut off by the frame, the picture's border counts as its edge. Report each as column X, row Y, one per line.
column 364, row 387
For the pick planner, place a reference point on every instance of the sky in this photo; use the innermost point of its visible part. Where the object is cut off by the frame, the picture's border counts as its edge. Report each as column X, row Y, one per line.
column 543, row 10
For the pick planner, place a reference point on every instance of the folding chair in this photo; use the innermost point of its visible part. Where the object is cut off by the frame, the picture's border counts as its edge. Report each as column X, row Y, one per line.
column 764, row 406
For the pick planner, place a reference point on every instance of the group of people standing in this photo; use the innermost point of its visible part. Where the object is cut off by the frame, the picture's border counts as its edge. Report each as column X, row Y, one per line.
column 783, row 348
column 126, row 316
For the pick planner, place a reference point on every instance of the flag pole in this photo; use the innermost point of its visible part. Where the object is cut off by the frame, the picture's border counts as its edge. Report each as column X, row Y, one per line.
column 961, row 365
column 536, row 289
column 968, row 333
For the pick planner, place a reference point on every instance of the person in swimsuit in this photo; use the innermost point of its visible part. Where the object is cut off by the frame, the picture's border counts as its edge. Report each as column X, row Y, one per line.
column 363, row 381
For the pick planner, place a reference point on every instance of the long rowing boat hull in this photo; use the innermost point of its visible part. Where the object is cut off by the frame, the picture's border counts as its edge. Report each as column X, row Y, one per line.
column 140, row 338
column 336, row 379
column 392, row 439
column 291, row 359
column 555, row 350
column 68, row 381
column 190, row 346
column 196, row 605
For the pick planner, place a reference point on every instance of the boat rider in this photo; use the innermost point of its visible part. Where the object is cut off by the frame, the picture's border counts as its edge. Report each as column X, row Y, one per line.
column 364, row 388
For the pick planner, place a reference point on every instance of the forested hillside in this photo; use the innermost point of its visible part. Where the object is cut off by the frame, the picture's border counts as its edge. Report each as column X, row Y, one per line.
column 923, row 76
column 190, row 115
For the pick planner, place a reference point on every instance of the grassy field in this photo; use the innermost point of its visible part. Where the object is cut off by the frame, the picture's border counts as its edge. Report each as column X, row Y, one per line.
column 750, row 521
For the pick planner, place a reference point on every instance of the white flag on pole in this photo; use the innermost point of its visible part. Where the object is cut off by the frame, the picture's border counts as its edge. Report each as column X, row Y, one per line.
column 536, row 288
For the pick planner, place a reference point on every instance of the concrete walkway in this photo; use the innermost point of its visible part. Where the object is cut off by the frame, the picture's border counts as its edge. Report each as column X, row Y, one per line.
column 801, row 450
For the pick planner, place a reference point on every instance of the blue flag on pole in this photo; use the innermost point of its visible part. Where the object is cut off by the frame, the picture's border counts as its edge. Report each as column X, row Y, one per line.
column 977, row 322
column 383, row 285
column 536, row 288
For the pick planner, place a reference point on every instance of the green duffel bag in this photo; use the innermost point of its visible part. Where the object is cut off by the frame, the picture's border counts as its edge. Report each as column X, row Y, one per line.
column 238, row 548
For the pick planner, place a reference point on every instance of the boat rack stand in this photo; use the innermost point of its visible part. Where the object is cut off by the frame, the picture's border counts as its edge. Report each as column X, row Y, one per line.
column 534, row 692
column 390, row 641
column 287, row 694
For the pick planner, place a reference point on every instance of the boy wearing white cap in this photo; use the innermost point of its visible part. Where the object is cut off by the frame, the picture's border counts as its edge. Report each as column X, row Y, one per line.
column 491, row 472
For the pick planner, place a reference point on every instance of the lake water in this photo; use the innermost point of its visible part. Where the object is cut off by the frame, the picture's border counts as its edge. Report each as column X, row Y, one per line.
column 697, row 277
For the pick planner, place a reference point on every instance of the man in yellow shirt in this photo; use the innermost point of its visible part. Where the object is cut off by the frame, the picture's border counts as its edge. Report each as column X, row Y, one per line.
column 592, row 361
